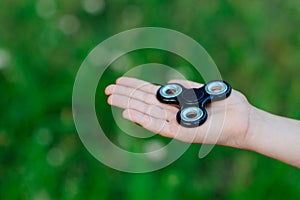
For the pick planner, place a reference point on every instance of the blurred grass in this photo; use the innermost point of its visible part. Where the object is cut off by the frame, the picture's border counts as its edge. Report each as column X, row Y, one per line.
column 256, row 45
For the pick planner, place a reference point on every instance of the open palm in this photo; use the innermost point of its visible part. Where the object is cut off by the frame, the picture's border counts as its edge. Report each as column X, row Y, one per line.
column 227, row 121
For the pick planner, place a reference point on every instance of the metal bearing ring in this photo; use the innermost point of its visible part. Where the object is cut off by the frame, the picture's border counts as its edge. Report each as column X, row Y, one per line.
column 170, row 90
column 191, row 116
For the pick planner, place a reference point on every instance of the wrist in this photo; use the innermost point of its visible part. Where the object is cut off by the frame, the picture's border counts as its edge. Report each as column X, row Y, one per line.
column 261, row 129
column 254, row 119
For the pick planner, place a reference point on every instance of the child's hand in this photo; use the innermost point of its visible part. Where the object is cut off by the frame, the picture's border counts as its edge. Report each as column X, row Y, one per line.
column 227, row 122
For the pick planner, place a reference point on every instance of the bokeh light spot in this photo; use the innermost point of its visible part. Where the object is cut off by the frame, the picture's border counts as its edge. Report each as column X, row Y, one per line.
column 155, row 150
column 45, row 8
column 5, row 58
column 55, row 157
column 93, row 6
column 69, row 24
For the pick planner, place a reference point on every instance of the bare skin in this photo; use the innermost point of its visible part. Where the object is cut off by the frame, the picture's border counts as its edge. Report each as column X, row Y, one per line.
column 232, row 122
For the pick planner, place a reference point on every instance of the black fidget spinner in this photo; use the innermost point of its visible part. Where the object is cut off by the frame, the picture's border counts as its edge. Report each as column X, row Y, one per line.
column 192, row 101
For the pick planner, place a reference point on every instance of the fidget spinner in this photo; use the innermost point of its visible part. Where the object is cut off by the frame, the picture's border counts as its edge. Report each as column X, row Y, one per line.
column 192, row 101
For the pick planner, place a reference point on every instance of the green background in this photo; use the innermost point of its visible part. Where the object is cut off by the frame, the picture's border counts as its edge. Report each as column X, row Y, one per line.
column 255, row 44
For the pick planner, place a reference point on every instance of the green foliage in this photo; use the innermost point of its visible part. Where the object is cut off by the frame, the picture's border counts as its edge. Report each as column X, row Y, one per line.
column 255, row 44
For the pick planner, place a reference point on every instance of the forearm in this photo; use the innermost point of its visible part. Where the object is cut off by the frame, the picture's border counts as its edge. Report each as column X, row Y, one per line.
column 274, row 136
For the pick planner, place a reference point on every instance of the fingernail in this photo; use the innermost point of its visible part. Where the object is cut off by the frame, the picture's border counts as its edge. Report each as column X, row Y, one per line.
column 118, row 80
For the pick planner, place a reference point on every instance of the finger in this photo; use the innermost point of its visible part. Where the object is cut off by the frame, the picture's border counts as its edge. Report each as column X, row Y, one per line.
column 186, row 83
column 132, row 93
column 166, row 113
column 160, row 126
column 137, row 84
column 150, row 123
column 109, row 89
